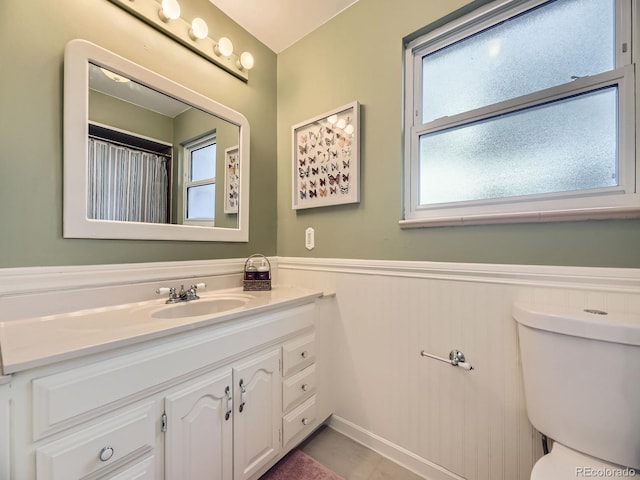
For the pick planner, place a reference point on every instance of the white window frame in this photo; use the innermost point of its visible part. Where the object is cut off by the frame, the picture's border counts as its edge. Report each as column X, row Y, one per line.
column 201, row 142
column 622, row 201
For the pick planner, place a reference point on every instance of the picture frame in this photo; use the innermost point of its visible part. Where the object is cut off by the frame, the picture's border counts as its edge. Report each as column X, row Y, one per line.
column 231, row 179
column 326, row 159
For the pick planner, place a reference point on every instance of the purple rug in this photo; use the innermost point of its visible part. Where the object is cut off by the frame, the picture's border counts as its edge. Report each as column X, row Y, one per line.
column 299, row 466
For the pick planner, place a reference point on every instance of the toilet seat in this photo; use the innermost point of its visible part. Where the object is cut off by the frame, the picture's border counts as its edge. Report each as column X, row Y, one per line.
column 563, row 463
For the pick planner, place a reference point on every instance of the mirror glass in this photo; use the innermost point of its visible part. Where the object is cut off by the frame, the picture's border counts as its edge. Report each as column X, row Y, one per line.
column 147, row 158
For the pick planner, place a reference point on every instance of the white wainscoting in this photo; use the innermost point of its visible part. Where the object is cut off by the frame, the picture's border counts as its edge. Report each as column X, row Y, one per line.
column 440, row 421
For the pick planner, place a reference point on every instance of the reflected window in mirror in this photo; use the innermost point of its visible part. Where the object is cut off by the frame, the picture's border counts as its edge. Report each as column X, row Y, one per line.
column 200, row 181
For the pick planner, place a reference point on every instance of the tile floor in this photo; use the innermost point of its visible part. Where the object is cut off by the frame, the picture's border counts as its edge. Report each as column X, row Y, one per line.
column 351, row 460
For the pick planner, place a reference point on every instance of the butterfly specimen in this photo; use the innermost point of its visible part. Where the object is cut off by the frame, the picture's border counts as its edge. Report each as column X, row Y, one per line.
column 333, row 190
column 330, row 141
column 303, row 139
column 345, row 177
column 323, row 192
column 323, row 182
column 342, row 141
column 303, row 172
column 324, row 169
column 302, row 162
column 314, row 171
column 312, row 160
column 334, row 154
column 333, row 179
column 303, row 195
column 334, row 166
column 344, row 188
column 314, row 139
column 312, row 183
column 313, row 193
column 346, row 164
column 303, row 185
column 303, row 149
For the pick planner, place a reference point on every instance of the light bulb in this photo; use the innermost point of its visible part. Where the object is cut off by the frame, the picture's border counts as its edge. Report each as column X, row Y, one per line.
column 199, row 29
column 224, row 47
column 246, row 61
column 170, row 10
column 114, row 76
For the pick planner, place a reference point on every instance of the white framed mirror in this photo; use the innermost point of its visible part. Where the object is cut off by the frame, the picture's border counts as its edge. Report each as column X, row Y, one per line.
column 147, row 158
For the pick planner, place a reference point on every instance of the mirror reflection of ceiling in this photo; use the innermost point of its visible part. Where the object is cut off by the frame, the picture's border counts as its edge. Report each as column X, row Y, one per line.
column 280, row 23
column 119, row 86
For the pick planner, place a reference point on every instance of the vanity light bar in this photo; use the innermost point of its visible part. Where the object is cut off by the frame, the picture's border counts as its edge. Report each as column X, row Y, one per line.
column 184, row 32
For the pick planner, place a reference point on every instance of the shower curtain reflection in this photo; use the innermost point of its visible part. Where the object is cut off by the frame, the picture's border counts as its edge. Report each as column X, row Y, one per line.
column 127, row 184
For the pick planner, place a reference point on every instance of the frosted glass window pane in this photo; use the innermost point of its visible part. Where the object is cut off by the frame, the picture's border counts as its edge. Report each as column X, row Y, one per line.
column 203, row 163
column 561, row 146
column 201, row 202
column 540, row 49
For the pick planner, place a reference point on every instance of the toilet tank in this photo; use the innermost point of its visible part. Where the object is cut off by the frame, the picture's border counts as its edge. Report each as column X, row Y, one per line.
column 581, row 372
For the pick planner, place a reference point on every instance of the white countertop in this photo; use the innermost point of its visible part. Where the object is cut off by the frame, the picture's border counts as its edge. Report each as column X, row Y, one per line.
column 33, row 342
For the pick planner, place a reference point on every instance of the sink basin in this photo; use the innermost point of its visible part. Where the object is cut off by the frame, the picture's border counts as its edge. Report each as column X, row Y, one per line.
column 196, row 308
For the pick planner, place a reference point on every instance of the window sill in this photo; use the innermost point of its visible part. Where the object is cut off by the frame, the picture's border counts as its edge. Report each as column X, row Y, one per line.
column 606, row 213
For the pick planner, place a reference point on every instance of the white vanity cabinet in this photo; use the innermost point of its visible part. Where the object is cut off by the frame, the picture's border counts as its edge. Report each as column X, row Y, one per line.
column 299, row 387
column 199, row 428
column 208, row 403
column 225, row 425
column 5, row 430
column 256, row 423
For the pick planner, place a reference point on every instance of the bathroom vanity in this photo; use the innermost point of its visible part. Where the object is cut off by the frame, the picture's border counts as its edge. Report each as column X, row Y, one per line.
column 152, row 391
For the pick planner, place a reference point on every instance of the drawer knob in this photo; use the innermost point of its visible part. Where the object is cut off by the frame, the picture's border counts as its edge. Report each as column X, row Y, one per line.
column 305, row 421
column 304, row 354
column 106, row 453
column 304, row 387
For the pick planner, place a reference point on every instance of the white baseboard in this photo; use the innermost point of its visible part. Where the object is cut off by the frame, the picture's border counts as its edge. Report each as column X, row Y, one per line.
column 396, row 453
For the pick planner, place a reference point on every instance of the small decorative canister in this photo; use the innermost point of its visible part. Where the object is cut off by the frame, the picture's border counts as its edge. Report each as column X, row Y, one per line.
column 257, row 278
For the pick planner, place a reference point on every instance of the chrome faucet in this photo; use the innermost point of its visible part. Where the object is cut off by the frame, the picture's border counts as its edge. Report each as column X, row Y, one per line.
column 183, row 295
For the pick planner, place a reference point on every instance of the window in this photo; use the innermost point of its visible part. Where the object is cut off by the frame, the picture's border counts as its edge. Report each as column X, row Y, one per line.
column 522, row 111
column 200, row 181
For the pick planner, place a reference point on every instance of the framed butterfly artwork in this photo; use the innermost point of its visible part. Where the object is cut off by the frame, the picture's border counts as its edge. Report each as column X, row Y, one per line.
column 231, row 179
column 326, row 159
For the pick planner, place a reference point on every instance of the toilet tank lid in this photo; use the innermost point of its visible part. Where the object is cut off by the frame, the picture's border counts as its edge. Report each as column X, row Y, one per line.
column 612, row 327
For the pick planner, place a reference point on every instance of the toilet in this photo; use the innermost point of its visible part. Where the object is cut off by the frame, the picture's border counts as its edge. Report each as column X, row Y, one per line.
column 581, row 371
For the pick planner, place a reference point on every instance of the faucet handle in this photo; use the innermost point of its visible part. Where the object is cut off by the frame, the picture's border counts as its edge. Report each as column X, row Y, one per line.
column 199, row 285
column 165, row 290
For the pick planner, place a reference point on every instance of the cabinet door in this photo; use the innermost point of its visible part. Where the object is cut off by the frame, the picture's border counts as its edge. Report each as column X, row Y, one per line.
column 199, row 437
column 257, row 413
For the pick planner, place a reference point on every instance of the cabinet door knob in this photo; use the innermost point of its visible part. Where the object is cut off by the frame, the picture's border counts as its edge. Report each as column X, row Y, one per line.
column 304, row 387
column 305, row 421
column 304, row 354
column 106, row 453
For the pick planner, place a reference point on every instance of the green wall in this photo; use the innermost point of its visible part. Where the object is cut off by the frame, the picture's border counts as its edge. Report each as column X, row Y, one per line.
column 33, row 35
column 358, row 55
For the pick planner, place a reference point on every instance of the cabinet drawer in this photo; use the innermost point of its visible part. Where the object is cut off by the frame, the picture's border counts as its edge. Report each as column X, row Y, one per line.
column 298, row 353
column 143, row 470
column 117, row 440
column 302, row 419
column 298, row 387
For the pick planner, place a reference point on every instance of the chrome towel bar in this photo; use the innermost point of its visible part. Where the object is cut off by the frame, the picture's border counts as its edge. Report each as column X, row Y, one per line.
column 456, row 358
